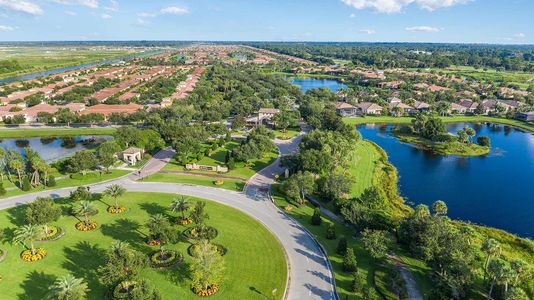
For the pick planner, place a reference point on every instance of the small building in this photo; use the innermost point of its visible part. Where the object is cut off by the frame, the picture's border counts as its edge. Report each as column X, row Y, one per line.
column 345, row 109
column 398, row 108
column 132, row 155
column 421, row 106
column 265, row 115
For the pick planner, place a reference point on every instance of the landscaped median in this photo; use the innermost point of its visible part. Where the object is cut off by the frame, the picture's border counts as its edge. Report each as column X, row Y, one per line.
column 229, row 184
column 6, row 133
column 66, row 181
column 254, row 261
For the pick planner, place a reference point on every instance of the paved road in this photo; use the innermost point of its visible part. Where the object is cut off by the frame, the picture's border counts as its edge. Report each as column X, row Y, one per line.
column 310, row 275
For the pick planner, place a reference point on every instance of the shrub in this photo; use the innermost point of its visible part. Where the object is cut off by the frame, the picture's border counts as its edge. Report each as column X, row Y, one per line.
column 194, row 248
column 2, row 189
column 201, row 233
column 331, row 232
column 26, row 185
column 165, row 258
column 483, row 141
column 349, row 261
column 316, row 219
column 51, row 181
column 342, row 246
column 356, row 283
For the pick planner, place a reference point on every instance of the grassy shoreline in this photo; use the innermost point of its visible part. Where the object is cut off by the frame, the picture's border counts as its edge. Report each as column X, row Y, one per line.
column 7, row 133
column 454, row 119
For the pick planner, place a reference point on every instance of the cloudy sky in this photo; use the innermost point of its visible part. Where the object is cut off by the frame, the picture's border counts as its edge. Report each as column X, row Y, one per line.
column 471, row 21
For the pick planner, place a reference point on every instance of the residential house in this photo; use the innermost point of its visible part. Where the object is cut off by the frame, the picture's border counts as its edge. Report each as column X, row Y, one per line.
column 526, row 116
column 469, row 105
column 368, row 108
column 421, row 106
column 345, row 109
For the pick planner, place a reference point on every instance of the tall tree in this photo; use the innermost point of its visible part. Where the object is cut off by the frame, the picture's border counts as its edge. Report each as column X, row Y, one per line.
column 115, row 191
column 181, row 205
column 27, row 233
column 42, row 212
column 207, row 267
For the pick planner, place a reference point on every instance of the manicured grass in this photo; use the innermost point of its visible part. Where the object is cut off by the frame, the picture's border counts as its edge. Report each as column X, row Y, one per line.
column 362, row 167
column 366, row 264
column 229, row 184
column 53, row 132
column 452, row 119
column 89, row 178
column 255, row 262
column 447, row 148
column 242, row 171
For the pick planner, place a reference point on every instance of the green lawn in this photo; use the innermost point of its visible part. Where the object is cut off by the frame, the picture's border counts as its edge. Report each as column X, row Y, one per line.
column 89, row 178
column 362, row 167
column 452, row 119
column 255, row 262
column 366, row 264
column 289, row 134
column 229, row 184
column 53, row 132
column 242, row 171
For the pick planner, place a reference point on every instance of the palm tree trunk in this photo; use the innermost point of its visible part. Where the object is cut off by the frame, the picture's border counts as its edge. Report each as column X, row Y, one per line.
column 491, row 289
column 32, row 247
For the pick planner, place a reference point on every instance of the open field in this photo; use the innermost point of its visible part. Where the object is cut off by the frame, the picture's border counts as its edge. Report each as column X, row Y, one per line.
column 453, row 119
column 37, row 59
column 6, row 133
column 255, row 262
column 522, row 79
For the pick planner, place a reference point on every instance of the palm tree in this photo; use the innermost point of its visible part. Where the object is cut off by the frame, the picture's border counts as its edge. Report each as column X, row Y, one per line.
column 26, row 233
column 69, row 288
column 17, row 165
column 180, row 204
column 496, row 271
column 439, row 208
column 85, row 209
column 492, row 248
column 115, row 191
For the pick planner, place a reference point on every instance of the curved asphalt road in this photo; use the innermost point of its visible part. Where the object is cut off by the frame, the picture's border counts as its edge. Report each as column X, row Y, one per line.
column 309, row 273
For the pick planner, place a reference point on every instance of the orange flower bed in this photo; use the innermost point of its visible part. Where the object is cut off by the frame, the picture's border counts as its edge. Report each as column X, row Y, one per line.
column 81, row 226
column 153, row 243
column 114, row 210
column 27, row 255
column 206, row 293
column 185, row 221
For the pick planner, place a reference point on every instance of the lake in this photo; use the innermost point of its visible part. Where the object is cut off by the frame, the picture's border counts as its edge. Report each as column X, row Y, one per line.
column 308, row 83
column 495, row 190
column 51, row 148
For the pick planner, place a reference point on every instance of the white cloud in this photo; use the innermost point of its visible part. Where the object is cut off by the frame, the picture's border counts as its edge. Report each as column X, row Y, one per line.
column 21, row 6
column 424, row 29
column 367, row 31
column 520, row 35
column 353, row 15
column 141, row 22
column 5, row 28
column 174, row 10
column 86, row 3
column 395, row 6
column 71, row 13
column 106, row 16
column 113, row 5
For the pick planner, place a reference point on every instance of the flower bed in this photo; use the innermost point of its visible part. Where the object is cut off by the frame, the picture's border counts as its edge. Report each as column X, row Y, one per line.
column 192, row 249
column 81, row 226
column 115, row 210
column 123, row 289
column 208, row 292
column 218, row 182
column 27, row 255
column 201, row 232
column 153, row 243
column 166, row 259
column 54, row 233
column 185, row 221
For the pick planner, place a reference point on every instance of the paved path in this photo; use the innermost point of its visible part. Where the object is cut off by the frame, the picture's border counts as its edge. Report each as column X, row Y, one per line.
column 309, row 272
column 155, row 164
column 411, row 285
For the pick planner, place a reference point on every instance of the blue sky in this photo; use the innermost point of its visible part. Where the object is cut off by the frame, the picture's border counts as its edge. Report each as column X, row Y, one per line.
column 471, row 21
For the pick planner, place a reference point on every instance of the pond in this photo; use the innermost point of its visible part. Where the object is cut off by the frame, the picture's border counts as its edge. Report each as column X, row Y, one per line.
column 495, row 190
column 308, row 83
column 52, row 148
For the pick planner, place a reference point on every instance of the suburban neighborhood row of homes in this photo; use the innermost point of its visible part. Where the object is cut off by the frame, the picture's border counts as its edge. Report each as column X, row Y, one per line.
column 397, row 108
column 131, row 78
